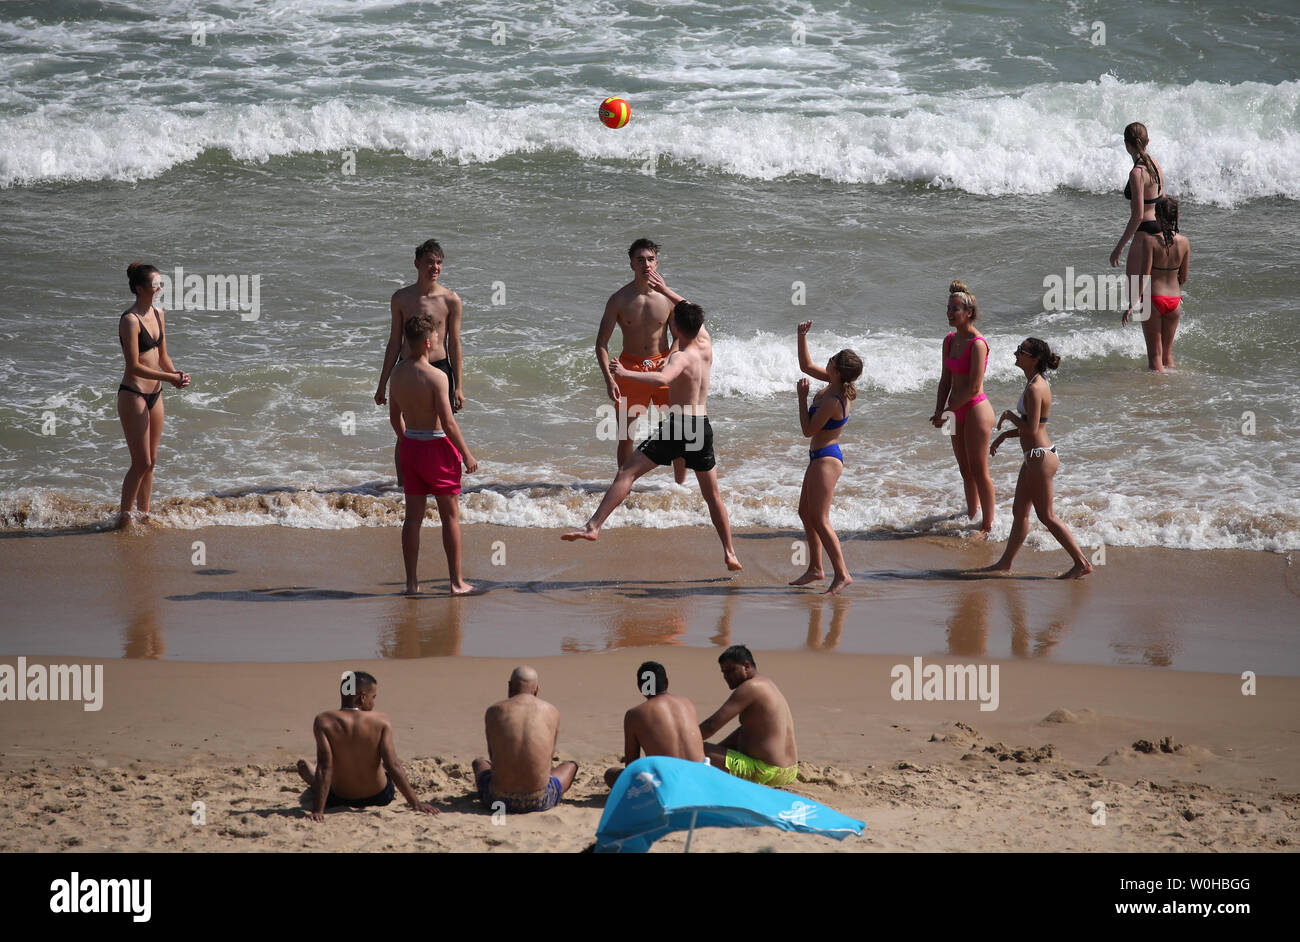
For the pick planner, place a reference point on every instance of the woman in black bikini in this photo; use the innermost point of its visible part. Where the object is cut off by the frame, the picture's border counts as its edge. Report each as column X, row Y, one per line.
column 141, row 332
column 1145, row 185
column 1034, row 485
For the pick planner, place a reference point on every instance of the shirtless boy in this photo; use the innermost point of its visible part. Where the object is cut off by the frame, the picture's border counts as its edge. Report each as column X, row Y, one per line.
column 522, row 731
column 665, row 725
column 762, row 749
column 443, row 306
column 354, row 750
column 432, row 450
column 641, row 309
column 683, row 433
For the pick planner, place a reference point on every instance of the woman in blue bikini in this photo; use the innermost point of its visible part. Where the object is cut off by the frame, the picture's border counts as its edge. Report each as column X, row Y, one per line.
column 822, row 422
column 1034, row 485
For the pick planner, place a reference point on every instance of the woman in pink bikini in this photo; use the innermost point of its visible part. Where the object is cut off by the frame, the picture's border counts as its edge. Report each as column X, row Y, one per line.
column 1163, row 257
column 141, row 331
column 961, row 387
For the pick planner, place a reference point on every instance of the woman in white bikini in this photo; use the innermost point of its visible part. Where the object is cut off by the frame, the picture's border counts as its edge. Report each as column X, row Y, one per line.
column 1034, row 485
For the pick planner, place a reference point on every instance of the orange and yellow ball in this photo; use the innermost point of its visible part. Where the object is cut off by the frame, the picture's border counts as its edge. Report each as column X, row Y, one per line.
column 615, row 112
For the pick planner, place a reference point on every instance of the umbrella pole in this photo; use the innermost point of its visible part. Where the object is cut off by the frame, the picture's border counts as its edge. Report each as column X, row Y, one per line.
column 691, row 832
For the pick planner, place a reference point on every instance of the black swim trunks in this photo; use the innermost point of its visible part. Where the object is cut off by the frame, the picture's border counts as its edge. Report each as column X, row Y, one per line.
column 681, row 436
column 445, row 365
column 374, row 801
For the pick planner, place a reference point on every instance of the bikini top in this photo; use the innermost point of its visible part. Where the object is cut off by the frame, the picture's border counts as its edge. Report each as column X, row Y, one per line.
column 1160, row 190
column 1166, row 267
column 832, row 423
column 962, row 364
column 1020, row 406
column 147, row 342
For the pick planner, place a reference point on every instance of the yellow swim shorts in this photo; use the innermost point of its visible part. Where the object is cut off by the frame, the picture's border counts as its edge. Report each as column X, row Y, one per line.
column 756, row 770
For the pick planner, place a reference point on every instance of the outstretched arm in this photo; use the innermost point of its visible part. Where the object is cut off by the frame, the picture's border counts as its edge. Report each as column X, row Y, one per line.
column 672, row 369
column 805, row 361
column 388, row 756
column 735, row 704
column 391, row 351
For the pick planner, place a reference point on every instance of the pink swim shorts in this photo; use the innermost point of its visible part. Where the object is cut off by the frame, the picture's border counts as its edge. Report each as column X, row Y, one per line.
column 430, row 467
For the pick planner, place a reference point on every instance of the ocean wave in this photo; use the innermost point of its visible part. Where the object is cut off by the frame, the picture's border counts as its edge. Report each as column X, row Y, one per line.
column 1218, row 143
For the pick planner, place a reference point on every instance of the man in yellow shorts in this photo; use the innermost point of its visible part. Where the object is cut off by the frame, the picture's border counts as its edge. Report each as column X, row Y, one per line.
column 640, row 309
column 762, row 748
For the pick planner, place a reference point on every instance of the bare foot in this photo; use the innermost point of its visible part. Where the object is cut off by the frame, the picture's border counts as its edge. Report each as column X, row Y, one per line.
column 839, row 584
column 461, row 588
column 123, row 520
column 1077, row 571
column 810, row 575
column 999, row 566
column 586, row 533
column 732, row 562
column 982, row 533
column 412, row 588
column 307, row 774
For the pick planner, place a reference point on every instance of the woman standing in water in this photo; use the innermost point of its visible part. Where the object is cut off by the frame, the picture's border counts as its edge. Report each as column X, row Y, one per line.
column 1034, row 485
column 1162, row 260
column 961, row 387
column 822, row 422
column 1145, row 185
column 139, row 397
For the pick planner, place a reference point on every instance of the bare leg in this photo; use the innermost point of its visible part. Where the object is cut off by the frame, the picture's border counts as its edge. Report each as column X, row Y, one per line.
column 144, row 496
column 449, row 514
column 632, row 469
column 821, row 479
column 679, row 470
column 135, row 425
column 1043, row 496
column 963, row 465
column 1151, row 334
column 814, row 572
column 1019, row 525
column 708, row 481
column 415, row 507
column 977, row 431
column 307, row 772
column 611, row 776
column 565, row 772
column 1168, row 326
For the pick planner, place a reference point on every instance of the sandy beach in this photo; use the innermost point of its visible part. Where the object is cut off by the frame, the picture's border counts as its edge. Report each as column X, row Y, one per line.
column 1086, row 671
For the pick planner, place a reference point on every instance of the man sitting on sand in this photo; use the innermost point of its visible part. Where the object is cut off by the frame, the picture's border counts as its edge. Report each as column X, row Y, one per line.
column 665, row 725
column 352, row 743
column 762, row 750
column 431, row 453
column 522, row 731
column 683, row 433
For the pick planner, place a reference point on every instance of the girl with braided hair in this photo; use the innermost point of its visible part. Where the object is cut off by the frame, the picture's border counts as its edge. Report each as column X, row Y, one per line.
column 1162, row 261
column 1145, row 185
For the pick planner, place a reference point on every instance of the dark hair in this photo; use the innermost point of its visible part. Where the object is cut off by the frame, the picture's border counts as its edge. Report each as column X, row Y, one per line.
column 849, row 366
column 640, row 244
column 660, row 676
column 688, row 317
column 428, row 247
column 418, row 329
column 964, row 297
column 1041, row 352
column 1136, row 135
column 737, row 654
column 362, row 681
column 138, row 275
column 1167, row 217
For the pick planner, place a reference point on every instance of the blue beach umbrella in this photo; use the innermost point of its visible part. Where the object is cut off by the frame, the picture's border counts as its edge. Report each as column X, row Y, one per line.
column 657, row 795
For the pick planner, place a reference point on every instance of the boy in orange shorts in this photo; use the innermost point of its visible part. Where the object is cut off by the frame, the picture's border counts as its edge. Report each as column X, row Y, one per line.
column 431, row 453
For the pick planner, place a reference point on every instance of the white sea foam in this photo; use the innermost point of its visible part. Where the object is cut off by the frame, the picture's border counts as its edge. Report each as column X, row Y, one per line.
column 1219, row 143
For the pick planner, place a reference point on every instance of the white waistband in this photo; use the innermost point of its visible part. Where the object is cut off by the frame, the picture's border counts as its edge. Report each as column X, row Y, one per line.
column 425, row 434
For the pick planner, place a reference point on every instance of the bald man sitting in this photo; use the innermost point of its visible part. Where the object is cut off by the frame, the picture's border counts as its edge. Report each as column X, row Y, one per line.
column 522, row 731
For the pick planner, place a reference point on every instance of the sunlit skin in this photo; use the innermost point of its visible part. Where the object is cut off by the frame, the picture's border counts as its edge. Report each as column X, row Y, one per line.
column 146, row 372
column 970, row 444
column 1141, row 188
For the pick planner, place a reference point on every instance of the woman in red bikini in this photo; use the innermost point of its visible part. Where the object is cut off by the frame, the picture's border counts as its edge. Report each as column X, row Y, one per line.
column 961, row 387
column 1162, row 257
column 139, row 397
column 1145, row 185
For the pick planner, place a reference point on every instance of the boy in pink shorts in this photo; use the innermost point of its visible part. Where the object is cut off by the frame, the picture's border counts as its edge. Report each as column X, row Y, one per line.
column 431, row 454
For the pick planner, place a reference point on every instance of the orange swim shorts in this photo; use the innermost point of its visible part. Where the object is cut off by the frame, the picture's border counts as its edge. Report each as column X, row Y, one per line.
column 642, row 394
